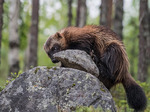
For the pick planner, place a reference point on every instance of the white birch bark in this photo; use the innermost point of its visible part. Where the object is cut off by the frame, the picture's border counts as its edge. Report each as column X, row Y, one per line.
column 13, row 56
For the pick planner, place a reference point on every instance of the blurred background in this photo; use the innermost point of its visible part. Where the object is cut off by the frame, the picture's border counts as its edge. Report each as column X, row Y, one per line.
column 26, row 24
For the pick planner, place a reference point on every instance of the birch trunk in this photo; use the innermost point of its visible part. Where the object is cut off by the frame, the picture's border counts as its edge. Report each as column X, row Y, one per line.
column 13, row 37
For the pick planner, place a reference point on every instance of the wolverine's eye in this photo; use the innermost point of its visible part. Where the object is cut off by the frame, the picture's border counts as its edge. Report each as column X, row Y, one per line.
column 56, row 47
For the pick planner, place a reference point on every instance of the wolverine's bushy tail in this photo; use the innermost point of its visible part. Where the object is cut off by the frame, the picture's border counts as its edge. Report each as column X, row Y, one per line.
column 135, row 95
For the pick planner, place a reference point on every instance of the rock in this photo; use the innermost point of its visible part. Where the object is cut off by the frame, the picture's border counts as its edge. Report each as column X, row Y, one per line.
column 50, row 90
column 77, row 59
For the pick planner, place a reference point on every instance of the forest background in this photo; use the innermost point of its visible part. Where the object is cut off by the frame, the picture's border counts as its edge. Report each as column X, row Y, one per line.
column 26, row 24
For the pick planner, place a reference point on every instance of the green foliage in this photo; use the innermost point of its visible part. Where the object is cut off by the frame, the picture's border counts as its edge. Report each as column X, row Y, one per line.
column 131, row 43
column 4, row 46
column 23, row 32
column 1, row 88
column 14, row 76
column 146, row 88
column 119, row 97
column 37, row 69
column 89, row 109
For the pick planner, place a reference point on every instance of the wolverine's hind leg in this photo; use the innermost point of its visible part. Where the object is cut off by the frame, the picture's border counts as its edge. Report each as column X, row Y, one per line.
column 111, row 63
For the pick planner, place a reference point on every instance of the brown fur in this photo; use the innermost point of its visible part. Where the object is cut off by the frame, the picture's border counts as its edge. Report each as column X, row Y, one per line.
column 101, row 37
column 107, row 51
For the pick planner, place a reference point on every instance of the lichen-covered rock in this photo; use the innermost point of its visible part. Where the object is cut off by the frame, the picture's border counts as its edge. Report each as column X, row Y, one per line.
column 77, row 59
column 50, row 90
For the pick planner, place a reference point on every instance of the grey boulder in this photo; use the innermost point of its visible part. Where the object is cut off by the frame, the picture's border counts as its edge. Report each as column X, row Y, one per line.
column 58, row 89
column 50, row 90
column 77, row 59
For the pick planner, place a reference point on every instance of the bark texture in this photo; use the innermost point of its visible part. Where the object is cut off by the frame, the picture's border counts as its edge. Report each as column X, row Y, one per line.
column 118, row 18
column 81, row 13
column 106, row 13
column 148, row 42
column 69, row 12
column 33, row 37
column 1, row 24
column 144, row 41
column 14, row 8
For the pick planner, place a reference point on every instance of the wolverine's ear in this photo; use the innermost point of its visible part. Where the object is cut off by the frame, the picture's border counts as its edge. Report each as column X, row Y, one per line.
column 58, row 35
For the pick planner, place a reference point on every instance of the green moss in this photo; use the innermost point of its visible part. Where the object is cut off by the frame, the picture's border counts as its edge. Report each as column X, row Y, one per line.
column 72, row 108
column 89, row 109
column 73, row 84
column 1, row 88
column 36, row 70
column 5, row 91
column 94, row 94
column 49, row 78
column 31, row 67
column 49, row 67
column 102, row 89
column 54, row 68
column 68, row 91
column 79, row 82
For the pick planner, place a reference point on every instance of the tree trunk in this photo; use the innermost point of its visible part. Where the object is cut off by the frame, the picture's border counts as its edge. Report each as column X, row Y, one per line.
column 33, row 36
column 106, row 13
column 81, row 13
column 148, row 42
column 69, row 12
column 1, row 24
column 144, row 36
column 118, row 18
column 13, row 37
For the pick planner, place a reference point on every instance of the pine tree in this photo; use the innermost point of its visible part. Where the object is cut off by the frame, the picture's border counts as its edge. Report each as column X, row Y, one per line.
column 118, row 18
column 33, row 36
column 144, row 41
column 1, row 24
column 81, row 13
column 106, row 13
column 69, row 12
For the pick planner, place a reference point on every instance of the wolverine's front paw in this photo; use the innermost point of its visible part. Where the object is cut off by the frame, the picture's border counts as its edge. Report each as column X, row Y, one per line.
column 105, row 72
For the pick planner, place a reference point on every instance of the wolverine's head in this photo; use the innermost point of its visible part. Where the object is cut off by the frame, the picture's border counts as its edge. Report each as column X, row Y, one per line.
column 69, row 38
column 54, row 44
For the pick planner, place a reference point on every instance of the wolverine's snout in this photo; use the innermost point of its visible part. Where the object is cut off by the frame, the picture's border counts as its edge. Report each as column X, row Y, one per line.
column 50, row 51
column 52, row 58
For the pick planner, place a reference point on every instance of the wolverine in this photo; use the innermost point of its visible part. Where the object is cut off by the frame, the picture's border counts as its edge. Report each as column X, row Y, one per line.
column 108, row 53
